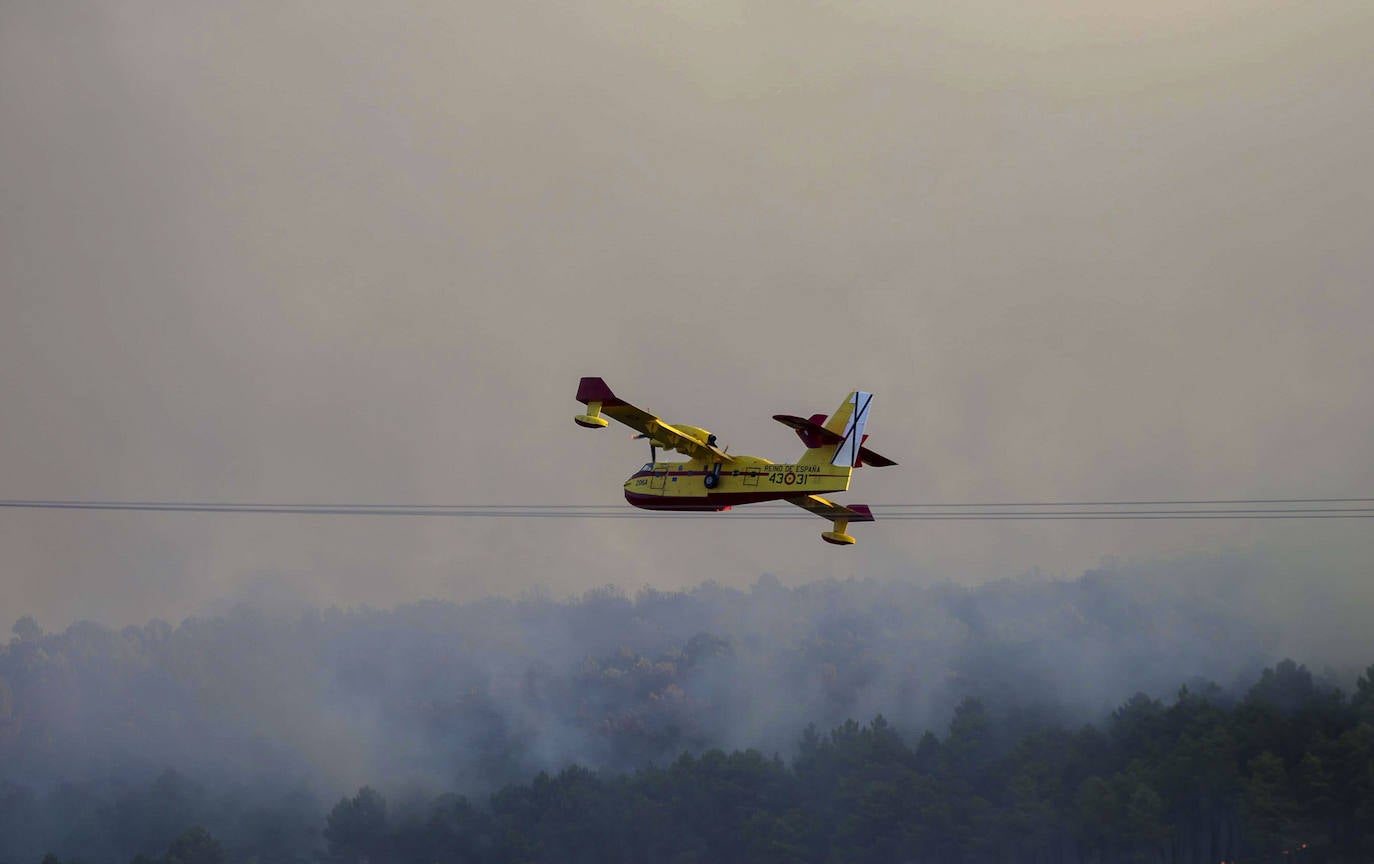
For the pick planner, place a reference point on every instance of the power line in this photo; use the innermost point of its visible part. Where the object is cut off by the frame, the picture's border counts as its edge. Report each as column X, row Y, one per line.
column 1173, row 501
column 1173, row 509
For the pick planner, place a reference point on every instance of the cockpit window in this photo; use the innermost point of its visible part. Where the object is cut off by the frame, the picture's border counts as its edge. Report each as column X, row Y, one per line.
column 648, row 466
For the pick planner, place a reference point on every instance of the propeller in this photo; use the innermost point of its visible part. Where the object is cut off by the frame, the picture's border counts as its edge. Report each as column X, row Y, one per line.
column 653, row 451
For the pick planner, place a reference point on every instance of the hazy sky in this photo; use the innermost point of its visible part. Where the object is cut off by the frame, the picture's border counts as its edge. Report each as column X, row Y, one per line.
column 361, row 252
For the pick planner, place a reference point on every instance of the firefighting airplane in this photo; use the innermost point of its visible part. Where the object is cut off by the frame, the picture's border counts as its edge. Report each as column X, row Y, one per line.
column 713, row 480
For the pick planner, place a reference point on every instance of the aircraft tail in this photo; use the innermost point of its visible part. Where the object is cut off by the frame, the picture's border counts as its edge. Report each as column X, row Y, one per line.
column 839, row 439
column 836, row 440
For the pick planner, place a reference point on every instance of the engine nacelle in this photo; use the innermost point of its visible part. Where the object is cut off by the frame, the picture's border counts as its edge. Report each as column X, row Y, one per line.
column 696, row 432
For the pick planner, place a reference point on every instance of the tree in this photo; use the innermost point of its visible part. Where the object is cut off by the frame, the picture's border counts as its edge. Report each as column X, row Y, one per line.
column 1143, row 825
column 1287, row 687
column 967, row 749
column 356, row 829
column 455, row 831
column 1363, row 700
column 1139, row 726
column 1269, row 804
column 27, row 630
column 195, row 846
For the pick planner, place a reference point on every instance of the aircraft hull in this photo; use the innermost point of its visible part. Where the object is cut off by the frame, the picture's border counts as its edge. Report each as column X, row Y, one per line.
column 710, row 502
column 681, row 486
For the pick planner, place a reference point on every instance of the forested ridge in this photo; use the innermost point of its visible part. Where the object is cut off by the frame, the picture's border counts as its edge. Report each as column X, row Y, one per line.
column 1284, row 774
column 708, row 724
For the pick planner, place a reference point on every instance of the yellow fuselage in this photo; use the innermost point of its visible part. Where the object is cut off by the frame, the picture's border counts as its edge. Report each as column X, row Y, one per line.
column 744, row 480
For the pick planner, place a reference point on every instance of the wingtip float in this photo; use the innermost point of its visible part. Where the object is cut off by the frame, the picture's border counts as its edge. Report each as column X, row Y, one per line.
column 713, row 480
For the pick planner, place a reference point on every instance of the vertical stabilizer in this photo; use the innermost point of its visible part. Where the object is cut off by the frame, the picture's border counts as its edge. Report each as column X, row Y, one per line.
column 847, row 451
column 840, row 437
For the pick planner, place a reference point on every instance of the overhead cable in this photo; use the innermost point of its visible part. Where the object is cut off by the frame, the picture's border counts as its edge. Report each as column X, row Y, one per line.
column 1174, row 509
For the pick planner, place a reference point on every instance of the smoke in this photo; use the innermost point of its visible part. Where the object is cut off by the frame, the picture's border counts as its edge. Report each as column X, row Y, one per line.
column 362, row 253
column 260, row 714
column 469, row 696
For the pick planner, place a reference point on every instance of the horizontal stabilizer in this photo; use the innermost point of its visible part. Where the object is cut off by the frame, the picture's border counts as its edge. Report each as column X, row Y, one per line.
column 877, row 460
column 827, row 509
column 811, row 431
column 859, row 513
column 818, row 432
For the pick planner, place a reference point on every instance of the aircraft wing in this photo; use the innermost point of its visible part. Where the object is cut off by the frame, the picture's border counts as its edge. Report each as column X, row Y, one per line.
column 678, row 440
column 827, row 509
column 591, row 390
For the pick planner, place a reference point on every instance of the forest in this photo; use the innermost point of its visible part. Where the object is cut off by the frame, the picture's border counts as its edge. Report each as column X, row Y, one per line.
column 1284, row 774
column 1136, row 713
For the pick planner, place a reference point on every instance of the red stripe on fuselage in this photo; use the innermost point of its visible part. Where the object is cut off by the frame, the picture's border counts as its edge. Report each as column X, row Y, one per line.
column 703, row 503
